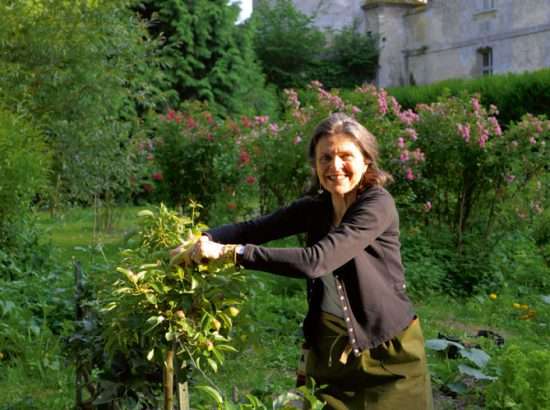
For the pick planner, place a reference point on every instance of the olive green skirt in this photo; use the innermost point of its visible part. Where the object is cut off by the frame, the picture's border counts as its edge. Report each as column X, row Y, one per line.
column 393, row 375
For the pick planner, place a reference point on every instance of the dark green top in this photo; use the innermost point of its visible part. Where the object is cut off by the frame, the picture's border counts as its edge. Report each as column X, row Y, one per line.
column 363, row 253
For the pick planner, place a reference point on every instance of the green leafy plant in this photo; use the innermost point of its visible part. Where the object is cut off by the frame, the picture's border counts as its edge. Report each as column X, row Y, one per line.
column 171, row 311
column 523, row 382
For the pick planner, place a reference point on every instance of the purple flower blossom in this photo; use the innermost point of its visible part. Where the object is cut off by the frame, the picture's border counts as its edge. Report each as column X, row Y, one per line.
column 404, row 157
column 410, row 175
column 401, row 142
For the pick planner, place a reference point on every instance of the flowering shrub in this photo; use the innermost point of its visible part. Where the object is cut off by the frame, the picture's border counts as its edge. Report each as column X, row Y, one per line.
column 455, row 170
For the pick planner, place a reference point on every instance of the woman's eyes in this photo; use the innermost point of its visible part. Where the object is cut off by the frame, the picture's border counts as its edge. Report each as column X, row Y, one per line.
column 343, row 157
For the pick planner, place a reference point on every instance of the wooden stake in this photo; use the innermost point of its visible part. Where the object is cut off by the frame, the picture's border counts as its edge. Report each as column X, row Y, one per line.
column 168, row 378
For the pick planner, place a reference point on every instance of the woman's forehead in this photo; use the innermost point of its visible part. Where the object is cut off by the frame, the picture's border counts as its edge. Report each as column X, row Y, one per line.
column 337, row 142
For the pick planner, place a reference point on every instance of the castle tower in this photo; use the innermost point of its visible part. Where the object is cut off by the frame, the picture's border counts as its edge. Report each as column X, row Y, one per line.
column 386, row 19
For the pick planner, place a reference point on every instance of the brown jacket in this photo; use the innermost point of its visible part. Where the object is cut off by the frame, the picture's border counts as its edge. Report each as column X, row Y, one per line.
column 363, row 252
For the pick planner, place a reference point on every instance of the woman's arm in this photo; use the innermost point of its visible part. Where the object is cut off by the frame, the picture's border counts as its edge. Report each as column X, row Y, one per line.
column 284, row 222
column 370, row 216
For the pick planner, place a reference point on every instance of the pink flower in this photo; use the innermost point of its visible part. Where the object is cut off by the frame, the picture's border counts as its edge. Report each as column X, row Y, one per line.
column 475, row 105
column 261, row 119
column 410, row 175
column 244, row 157
column 251, row 180
column 496, row 126
column 355, row 110
column 493, row 110
column 191, row 123
column 464, row 131
column 510, row 178
column 483, row 138
column 157, row 176
column 316, row 84
column 297, row 140
column 427, row 206
column 401, row 142
column 411, row 133
column 382, row 102
column 274, row 128
column 404, row 157
column 418, row 155
column 292, row 98
column 532, row 141
column 396, row 107
column 408, row 117
column 171, row 115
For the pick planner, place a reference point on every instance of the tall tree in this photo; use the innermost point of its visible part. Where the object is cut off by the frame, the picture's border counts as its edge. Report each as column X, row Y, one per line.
column 208, row 56
column 288, row 45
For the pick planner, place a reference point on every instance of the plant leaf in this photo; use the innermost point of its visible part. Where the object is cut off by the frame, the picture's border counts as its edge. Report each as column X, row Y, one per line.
column 476, row 374
column 213, row 393
column 441, row 344
column 479, row 357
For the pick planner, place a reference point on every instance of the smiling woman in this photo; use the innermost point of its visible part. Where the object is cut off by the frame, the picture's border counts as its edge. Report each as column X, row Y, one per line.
column 364, row 340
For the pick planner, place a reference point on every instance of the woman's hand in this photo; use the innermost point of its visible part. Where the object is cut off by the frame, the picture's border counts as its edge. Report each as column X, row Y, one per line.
column 203, row 251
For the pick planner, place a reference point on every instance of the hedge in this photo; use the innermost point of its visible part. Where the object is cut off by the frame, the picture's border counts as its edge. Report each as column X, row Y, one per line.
column 513, row 94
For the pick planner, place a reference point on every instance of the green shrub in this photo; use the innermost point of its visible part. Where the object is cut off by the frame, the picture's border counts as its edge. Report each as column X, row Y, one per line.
column 514, row 94
column 523, row 383
column 24, row 171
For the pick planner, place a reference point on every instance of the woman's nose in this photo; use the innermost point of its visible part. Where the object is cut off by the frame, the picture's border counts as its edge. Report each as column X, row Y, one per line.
column 337, row 162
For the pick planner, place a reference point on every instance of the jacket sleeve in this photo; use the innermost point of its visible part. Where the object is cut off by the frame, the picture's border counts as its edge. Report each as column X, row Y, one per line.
column 287, row 221
column 366, row 219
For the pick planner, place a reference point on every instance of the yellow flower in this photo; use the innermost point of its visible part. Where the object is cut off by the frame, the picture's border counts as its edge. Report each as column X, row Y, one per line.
column 516, row 306
column 493, row 296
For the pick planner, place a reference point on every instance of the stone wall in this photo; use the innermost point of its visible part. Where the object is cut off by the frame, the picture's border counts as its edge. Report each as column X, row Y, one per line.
column 445, row 38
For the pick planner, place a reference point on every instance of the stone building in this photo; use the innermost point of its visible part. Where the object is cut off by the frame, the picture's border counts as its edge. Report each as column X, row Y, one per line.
column 423, row 41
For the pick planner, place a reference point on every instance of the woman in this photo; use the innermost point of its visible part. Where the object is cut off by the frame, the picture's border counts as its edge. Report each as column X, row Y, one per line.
column 366, row 343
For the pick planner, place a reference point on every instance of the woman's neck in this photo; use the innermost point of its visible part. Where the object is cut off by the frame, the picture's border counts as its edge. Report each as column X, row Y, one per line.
column 340, row 204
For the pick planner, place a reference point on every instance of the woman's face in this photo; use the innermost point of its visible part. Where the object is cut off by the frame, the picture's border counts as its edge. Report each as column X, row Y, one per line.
column 339, row 164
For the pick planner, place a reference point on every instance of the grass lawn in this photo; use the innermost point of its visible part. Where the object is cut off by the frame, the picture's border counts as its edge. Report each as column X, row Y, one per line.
column 267, row 331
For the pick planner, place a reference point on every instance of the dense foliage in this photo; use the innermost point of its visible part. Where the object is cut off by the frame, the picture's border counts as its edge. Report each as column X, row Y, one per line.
column 24, row 171
column 79, row 71
column 294, row 52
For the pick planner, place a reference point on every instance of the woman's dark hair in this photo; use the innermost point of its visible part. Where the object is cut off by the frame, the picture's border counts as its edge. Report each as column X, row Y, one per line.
column 340, row 123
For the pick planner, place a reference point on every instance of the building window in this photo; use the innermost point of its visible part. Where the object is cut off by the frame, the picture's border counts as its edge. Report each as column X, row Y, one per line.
column 486, row 60
column 487, row 4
